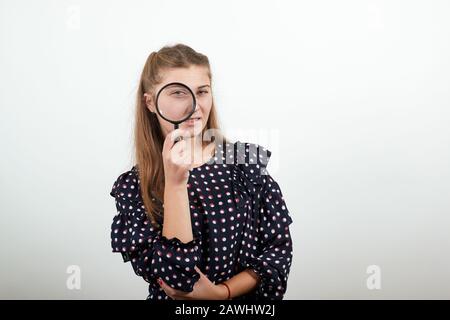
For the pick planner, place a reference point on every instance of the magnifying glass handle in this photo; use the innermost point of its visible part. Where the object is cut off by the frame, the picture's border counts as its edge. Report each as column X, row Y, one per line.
column 177, row 138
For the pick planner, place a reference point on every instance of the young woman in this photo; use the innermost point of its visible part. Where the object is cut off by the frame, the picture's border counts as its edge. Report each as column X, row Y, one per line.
column 196, row 219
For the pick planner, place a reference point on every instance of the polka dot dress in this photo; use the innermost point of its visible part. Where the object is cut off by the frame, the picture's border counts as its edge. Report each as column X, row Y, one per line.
column 239, row 220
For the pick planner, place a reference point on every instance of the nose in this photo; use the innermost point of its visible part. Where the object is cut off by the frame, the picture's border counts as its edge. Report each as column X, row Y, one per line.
column 196, row 106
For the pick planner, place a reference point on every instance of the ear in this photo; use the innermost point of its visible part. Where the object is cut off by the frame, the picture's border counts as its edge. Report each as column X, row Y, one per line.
column 149, row 102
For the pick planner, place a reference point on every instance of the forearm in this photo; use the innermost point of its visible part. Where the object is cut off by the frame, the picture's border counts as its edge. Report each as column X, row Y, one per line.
column 242, row 283
column 177, row 216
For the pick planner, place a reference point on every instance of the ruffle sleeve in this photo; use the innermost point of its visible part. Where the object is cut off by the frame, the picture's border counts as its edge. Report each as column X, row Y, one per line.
column 248, row 171
column 267, row 249
column 151, row 254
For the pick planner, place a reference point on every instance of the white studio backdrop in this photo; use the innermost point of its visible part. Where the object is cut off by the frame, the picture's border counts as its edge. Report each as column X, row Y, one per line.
column 352, row 98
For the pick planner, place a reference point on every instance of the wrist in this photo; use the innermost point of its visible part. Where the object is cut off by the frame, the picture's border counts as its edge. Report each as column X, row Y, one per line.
column 223, row 291
column 174, row 186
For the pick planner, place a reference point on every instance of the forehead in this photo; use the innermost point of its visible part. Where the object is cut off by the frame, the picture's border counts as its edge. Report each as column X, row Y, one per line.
column 193, row 77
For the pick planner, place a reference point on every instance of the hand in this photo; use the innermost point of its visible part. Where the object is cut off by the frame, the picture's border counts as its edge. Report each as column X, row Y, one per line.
column 204, row 289
column 176, row 159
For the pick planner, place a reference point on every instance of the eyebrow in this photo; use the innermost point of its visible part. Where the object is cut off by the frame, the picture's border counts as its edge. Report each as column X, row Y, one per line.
column 206, row 85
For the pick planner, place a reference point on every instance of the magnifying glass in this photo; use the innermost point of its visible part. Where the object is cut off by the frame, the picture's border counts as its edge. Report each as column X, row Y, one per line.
column 175, row 103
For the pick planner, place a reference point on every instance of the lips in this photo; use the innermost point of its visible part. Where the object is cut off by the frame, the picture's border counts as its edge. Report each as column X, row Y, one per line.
column 193, row 121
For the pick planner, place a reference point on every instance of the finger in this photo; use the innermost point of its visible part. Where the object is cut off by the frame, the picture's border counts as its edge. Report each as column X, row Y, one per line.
column 171, row 136
column 179, row 156
column 182, row 295
column 178, row 150
column 167, row 293
column 202, row 275
column 175, row 293
column 171, row 297
column 198, row 270
column 179, row 147
column 168, row 289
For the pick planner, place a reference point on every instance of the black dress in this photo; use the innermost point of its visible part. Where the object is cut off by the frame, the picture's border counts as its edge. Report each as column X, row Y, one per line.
column 239, row 220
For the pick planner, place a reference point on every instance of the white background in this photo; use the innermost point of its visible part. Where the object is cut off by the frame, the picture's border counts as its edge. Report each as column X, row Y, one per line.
column 356, row 91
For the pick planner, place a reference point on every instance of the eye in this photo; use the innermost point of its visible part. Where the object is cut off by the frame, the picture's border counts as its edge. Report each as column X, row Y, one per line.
column 203, row 91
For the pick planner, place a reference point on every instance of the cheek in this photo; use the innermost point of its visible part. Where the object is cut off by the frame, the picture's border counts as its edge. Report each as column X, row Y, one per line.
column 166, row 126
column 207, row 105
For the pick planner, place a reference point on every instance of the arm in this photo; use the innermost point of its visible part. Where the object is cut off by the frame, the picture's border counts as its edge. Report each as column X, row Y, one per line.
column 171, row 253
column 240, row 284
column 177, row 217
column 177, row 214
column 151, row 253
column 273, row 259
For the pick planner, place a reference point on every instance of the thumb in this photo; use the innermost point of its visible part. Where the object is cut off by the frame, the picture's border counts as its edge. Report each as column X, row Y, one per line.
column 198, row 270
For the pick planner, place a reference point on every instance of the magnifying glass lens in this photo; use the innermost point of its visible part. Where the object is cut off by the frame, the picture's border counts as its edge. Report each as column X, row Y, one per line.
column 175, row 102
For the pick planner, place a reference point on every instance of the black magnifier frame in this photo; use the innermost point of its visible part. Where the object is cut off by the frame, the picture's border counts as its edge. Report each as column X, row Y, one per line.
column 194, row 102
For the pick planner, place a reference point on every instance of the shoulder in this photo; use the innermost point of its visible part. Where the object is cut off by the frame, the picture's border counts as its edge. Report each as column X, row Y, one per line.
column 126, row 185
column 248, row 162
column 248, row 155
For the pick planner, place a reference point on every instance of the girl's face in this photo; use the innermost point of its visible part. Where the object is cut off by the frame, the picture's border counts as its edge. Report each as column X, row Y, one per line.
column 196, row 78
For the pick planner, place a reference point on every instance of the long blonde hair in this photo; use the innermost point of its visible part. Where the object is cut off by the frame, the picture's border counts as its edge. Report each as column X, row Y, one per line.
column 148, row 137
